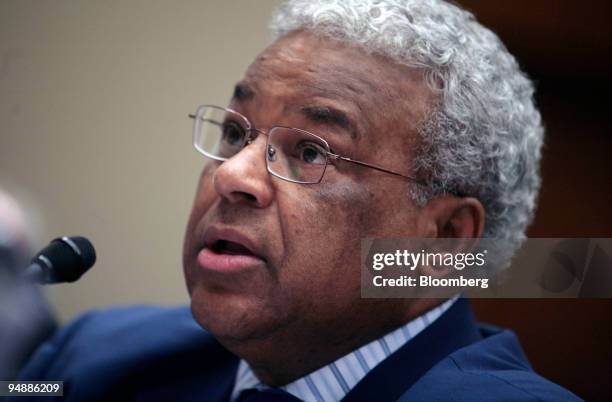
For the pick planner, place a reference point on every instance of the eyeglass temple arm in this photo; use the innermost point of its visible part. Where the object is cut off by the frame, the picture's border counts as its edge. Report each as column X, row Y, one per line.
column 344, row 158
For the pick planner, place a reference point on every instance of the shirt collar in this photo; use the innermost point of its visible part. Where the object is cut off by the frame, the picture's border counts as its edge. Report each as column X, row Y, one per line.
column 334, row 381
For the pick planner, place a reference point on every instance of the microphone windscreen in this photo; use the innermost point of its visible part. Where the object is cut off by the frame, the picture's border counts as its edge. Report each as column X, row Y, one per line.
column 70, row 257
column 88, row 253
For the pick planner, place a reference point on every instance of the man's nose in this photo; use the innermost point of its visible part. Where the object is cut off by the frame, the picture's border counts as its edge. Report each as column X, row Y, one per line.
column 244, row 177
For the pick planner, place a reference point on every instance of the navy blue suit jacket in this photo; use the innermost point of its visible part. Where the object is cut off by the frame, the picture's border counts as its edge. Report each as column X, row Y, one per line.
column 161, row 354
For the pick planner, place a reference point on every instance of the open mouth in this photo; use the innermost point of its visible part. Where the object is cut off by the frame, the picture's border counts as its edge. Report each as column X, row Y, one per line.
column 229, row 247
column 228, row 250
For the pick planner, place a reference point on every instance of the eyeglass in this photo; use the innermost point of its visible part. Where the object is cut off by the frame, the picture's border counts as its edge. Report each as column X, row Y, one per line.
column 292, row 154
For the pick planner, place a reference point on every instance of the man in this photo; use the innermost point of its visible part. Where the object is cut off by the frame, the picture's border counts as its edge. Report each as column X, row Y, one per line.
column 363, row 119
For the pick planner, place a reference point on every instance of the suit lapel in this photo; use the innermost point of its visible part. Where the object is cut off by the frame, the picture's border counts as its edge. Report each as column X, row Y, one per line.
column 455, row 329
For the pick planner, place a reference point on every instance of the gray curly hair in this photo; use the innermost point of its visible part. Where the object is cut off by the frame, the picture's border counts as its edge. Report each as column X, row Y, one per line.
column 484, row 138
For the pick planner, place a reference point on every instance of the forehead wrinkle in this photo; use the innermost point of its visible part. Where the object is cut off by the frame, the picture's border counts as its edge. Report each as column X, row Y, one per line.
column 359, row 85
column 304, row 90
column 378, row 87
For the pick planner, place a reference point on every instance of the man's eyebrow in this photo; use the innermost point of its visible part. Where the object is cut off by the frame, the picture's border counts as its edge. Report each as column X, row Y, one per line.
column 331, row 116
column 242, row 92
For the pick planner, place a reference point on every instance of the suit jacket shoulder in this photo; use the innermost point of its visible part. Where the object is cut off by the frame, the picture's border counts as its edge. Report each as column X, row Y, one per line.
column 488, row 370
column 134, row 353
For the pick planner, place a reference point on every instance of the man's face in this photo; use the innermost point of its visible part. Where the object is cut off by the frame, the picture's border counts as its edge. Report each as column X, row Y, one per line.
column 294, row 249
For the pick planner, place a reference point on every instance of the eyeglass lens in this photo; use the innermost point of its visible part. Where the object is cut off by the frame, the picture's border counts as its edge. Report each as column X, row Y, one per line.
column 291, row 154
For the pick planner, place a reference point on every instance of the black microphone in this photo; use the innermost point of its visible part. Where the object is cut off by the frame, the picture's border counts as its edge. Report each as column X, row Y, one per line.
column 65, row 259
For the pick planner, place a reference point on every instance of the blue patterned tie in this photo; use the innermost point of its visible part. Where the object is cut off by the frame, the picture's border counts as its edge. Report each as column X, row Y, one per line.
column 266, row 395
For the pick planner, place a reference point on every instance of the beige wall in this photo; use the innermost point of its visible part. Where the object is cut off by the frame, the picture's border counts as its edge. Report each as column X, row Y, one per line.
column 93, row 103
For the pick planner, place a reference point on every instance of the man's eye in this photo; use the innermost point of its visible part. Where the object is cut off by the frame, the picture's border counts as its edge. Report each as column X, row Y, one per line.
column 311, row 153
column 233, row 134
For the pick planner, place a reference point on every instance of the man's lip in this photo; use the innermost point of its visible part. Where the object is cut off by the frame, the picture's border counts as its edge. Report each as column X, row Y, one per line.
column 208, row 258
column 211, row 261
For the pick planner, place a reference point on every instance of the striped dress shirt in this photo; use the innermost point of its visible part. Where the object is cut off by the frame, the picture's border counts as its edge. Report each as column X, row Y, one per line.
column 332, row 382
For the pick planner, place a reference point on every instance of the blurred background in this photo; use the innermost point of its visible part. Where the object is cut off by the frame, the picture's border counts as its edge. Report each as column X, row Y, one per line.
column 95, row 140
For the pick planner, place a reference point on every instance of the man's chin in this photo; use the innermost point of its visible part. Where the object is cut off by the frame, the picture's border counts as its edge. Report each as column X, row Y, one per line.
column 230, row 317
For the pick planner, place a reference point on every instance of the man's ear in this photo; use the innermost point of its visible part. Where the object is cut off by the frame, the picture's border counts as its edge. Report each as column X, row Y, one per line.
column 448, row 216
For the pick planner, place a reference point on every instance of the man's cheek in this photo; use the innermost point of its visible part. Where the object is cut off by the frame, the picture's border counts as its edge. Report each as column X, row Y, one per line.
column 347, row 194
column 302, row 213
